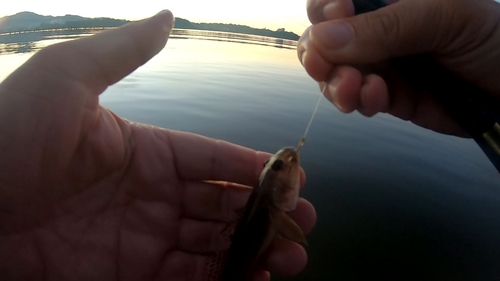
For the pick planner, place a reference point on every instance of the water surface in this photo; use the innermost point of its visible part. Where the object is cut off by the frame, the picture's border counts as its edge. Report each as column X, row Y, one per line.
column 394, row 201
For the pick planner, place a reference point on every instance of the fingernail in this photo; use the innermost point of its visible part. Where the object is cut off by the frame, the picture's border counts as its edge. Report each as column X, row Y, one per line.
column 329, row 9
column 332, row 91
column 334, row 35
column 163, row 12
column 303, row 57
column 169, row 22
column 302, row 45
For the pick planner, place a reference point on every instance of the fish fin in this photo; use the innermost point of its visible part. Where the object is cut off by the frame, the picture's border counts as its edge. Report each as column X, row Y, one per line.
column 287, row 228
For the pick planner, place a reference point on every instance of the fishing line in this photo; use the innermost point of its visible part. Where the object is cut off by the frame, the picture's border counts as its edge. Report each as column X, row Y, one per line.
column 303, row 139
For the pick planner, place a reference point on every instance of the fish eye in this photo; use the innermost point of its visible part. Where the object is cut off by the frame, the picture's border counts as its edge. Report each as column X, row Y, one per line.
column 277, row 165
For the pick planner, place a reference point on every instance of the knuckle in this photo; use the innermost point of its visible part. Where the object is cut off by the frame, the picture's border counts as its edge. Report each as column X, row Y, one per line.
column 50, row 55
column 388, row 25
column 54, row 60
column 465, row 30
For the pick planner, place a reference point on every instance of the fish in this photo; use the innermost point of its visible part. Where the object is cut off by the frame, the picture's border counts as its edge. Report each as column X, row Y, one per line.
column 265, row 216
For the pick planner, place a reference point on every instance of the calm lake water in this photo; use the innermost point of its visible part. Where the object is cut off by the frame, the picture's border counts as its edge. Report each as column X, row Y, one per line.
column 394, row 201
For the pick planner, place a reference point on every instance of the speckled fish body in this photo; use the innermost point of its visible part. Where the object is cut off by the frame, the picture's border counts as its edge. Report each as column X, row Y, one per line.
column 276, row 193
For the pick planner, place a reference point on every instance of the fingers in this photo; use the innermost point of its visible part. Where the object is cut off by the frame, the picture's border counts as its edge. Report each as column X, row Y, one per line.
column 374, row 96
column 386, row 33
column 343, row 88
column 304, row 215
column 204, row 233
column 198, row 158
column 326, row 10
column 211, row 202
column 323, row 10
column 201, row 158
column 286, row 258
column 179, row 265
column 340, row 48
column 205, row 201
column 315, row 65
column 262, row 275
column 203, row 236
column 105, row 58
column 339, row 38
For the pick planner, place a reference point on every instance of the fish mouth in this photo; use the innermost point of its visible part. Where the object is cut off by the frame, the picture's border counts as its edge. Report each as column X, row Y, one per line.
column 289, row 155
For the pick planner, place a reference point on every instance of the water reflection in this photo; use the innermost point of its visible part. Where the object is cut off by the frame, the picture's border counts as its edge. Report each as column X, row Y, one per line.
column 233, row 37
column 15, row 48
column 25, row 42
column 394, row 201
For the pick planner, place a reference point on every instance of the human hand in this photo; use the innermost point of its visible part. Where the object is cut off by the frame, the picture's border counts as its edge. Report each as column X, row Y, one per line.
column 86, row 195
column 462, row 36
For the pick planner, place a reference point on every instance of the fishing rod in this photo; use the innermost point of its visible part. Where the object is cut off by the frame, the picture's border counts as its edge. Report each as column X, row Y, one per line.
column 473, row 109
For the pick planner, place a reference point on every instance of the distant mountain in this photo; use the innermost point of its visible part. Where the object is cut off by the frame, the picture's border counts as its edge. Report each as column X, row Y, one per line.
column 29, row 20
column 25, row 21
column 279, row 33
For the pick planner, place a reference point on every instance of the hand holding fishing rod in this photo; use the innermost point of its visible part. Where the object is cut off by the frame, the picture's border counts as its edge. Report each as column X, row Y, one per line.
column 432, row 62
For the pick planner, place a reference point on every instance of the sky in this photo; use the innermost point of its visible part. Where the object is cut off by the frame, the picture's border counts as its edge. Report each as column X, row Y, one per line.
column 272, row 14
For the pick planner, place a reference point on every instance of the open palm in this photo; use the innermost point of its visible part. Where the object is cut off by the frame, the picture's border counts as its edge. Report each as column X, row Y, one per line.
column 86, row 195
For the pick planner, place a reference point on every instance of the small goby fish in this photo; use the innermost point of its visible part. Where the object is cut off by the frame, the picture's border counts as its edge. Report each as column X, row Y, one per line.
column 276, row 193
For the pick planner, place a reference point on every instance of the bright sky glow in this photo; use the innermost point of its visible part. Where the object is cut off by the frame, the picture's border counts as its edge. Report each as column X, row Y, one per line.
column 272, row 14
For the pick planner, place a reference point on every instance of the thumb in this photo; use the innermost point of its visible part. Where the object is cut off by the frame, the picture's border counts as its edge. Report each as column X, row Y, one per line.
column 404, row 28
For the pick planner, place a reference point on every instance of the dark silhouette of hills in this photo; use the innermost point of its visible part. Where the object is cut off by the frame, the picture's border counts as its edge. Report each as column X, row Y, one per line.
column 28, row 21
column 25, row 21
column 280, row 33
